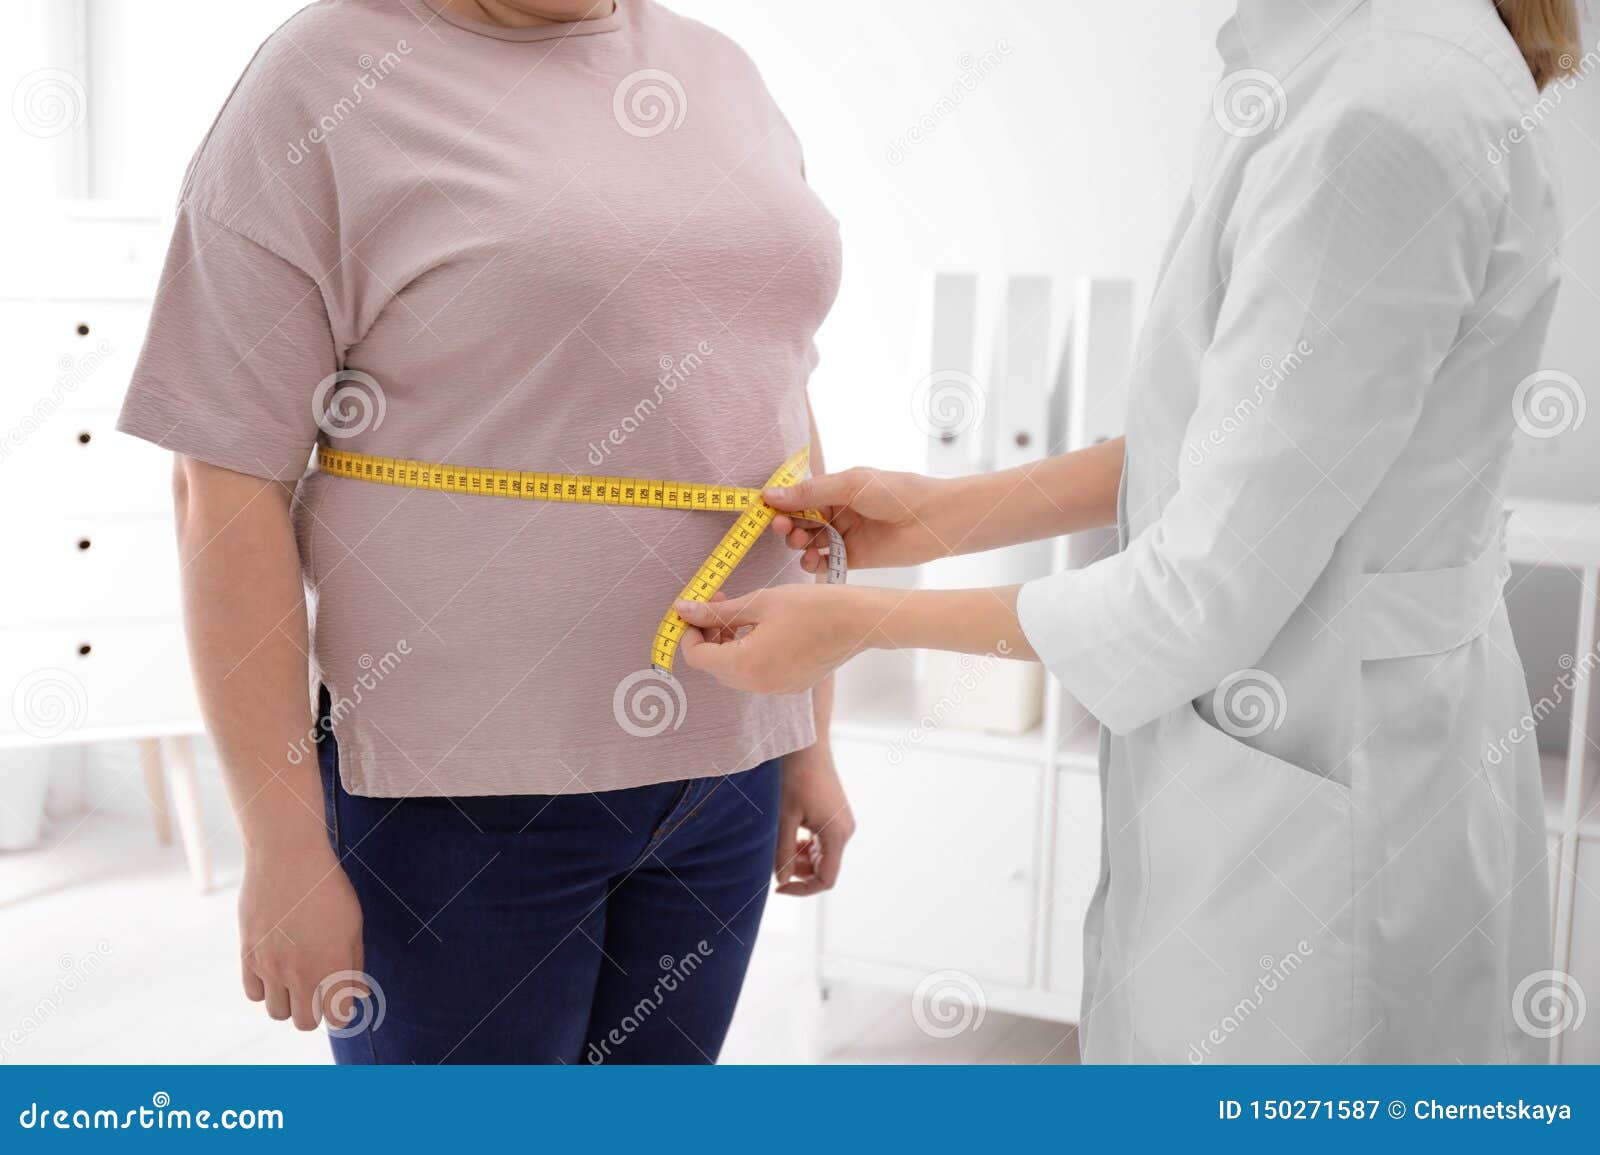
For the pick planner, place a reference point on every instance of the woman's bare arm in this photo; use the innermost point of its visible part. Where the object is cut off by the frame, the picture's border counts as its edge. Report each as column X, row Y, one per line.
column 245, row 613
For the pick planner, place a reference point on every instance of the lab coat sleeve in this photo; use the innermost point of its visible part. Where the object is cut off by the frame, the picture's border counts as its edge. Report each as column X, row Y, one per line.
column 1347, row 263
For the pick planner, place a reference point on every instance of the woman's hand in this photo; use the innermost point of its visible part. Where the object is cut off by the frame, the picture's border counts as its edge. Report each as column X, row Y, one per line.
column 813, row 801
column 788, row 637
column 299, row 925
column 887, row 519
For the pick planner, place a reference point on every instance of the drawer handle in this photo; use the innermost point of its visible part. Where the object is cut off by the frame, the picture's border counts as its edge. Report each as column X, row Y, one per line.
column 85, row 437
column 83, row 328
column 83, row 649
column 84, row 543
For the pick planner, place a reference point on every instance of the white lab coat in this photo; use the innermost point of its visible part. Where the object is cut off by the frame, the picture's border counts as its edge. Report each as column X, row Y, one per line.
column 1318, row 844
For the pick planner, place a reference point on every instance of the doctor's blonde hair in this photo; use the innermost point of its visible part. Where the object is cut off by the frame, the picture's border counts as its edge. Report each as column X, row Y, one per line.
column 1547, row 32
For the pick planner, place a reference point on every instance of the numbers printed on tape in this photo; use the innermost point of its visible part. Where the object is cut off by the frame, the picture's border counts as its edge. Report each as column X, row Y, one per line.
column 754, row 518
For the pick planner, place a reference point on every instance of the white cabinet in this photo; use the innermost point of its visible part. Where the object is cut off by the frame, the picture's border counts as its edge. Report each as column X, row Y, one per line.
column 953, row 858
column 974, row 858
column 91, row 642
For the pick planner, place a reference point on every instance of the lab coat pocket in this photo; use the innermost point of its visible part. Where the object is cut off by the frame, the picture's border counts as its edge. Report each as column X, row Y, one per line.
column 1245, row 950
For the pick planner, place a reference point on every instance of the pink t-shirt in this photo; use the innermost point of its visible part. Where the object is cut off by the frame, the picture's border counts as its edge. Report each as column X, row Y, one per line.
column 584, row 248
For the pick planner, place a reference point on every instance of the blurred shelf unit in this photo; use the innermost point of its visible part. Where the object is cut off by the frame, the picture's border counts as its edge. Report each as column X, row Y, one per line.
column 91, row 642
column 1566, row 534
column 978, row 843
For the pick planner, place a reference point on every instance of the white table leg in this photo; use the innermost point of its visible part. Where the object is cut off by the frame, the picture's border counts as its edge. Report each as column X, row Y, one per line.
column 155, row 787
column 178, row 753
column 1574, row 788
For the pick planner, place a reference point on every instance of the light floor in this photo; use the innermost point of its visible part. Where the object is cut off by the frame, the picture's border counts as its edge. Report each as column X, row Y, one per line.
column 108, row 956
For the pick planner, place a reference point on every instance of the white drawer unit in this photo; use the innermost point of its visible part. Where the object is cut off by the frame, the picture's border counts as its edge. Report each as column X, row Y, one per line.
column 92, row 569
column 78, row 354
column 954, row 864
column 91, row 643
column 75, row 462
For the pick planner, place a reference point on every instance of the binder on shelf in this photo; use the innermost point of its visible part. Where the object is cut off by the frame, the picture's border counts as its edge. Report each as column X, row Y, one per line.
column 949, row 402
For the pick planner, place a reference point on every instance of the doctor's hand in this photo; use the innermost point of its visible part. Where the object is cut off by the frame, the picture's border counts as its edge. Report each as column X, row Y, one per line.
column 886, row 519
column 777, row 640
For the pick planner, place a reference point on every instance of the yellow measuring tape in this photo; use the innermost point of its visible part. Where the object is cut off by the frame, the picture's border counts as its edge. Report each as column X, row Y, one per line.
column 638, row 492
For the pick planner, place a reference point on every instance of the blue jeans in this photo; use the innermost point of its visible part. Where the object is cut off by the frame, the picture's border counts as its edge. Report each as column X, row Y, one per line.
column 572, row 928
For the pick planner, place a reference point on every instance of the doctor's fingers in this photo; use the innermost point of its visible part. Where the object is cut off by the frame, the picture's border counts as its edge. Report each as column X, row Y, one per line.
column 826, row 491
column 721, row 659
column 729, row 614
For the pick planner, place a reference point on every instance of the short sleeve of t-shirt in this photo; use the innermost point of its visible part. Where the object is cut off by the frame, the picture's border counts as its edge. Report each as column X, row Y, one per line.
column 238, row 343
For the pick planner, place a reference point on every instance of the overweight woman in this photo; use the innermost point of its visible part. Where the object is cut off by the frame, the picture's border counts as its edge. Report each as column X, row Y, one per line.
column 1300, row 656
column 555, row 235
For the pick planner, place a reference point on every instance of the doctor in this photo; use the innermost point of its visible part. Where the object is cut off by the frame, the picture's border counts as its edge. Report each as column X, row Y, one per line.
column 1318, row 845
